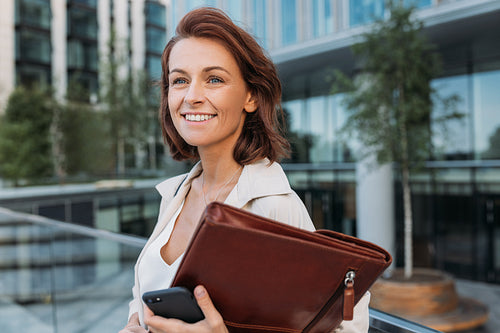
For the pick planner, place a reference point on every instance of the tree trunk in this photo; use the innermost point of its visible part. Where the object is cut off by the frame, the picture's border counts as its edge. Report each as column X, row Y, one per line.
column 152, row 154
column 408, row 218
column 58, row 156
column 120, row 156
column 408, row 222
column 405, row 172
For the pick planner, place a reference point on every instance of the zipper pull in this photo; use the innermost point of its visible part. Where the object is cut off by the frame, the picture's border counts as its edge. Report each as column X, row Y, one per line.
column 349, row 295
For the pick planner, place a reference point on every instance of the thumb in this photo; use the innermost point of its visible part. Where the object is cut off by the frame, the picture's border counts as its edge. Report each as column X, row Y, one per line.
column 206, row 305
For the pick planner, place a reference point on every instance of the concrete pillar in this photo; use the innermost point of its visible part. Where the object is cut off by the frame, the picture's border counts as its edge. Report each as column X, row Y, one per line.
column 59, row 47
column 7, row 52
column 375, row 203
column 138, row 36
column 121, row 27
column 104, row 35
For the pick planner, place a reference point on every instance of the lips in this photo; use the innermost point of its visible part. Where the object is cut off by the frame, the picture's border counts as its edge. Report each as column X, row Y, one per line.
column 198, row 117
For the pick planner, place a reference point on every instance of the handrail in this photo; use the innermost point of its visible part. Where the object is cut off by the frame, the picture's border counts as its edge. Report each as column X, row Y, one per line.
column 135, row 241
column 389, row 323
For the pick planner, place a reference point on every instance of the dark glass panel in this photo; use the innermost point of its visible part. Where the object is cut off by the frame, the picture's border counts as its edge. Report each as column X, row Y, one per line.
column 155, row 14
column 82, row 23
column 33, row 46
column 35, row 13
column 155, row 40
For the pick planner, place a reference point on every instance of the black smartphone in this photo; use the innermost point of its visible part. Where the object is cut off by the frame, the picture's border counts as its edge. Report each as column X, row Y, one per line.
column 175, row 302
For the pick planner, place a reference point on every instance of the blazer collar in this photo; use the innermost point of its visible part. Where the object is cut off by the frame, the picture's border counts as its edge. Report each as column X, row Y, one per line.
column 259, row 179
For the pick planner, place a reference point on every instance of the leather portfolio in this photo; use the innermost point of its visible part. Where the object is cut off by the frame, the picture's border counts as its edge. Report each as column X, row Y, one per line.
column 266, row 276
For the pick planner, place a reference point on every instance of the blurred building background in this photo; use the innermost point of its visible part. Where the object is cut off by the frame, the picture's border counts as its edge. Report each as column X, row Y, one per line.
column 54, row 42
column 62, row 44
column 457, row 196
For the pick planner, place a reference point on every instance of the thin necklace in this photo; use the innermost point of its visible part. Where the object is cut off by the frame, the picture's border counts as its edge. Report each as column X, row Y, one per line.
column 220, row 189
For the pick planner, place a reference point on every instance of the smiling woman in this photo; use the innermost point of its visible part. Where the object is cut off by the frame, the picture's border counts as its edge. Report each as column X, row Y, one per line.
column 208, row 99
column 262, row 135
column 220, row 104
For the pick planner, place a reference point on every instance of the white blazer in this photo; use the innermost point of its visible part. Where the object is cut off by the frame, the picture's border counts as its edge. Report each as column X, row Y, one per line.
column 262, row 189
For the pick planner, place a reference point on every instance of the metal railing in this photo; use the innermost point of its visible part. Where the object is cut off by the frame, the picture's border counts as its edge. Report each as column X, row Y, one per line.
column 60, row 277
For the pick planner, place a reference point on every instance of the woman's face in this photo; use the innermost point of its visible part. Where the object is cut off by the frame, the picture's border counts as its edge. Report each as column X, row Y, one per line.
column 207, row 95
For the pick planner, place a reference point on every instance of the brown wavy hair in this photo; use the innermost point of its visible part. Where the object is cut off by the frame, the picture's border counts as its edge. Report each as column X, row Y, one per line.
column 262, row 133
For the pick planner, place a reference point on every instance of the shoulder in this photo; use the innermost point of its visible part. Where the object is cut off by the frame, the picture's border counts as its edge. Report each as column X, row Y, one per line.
column 285, row 208
column 261, row 179
column 264, row 189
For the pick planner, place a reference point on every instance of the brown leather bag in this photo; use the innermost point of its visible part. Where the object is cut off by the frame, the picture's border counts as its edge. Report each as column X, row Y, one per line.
column 266, row 276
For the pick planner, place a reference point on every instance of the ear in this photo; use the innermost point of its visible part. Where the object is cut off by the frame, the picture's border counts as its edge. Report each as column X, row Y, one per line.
column 250, row 104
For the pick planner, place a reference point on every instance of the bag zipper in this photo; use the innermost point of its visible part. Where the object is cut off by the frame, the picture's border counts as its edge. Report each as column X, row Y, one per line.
column 349, row 295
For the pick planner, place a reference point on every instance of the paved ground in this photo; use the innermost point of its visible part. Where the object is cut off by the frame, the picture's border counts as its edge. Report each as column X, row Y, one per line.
column 488, row 294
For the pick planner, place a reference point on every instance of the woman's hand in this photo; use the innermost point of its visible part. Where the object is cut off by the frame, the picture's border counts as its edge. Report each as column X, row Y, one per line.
column 133, row 325
column 213, row 322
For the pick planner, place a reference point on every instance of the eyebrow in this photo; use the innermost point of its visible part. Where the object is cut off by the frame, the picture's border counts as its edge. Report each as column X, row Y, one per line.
column 205, row 70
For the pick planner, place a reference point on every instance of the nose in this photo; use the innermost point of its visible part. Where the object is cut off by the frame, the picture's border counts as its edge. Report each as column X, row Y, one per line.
column 194, row 94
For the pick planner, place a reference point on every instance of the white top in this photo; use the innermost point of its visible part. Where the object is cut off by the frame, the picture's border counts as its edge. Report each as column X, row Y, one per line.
column 161, row 277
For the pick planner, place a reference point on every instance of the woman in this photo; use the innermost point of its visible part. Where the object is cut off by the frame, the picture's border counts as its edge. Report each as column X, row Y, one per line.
column 219, row 104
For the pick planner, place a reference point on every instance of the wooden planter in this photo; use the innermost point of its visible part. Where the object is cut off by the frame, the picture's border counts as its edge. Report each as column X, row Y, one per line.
column 429, row 298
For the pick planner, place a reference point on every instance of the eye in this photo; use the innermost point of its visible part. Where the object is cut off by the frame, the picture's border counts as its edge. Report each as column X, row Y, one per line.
column 215, row 79
column 177, row 81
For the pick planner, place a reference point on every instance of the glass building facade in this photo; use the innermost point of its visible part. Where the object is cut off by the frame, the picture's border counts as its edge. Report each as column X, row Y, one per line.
column 33, row 44
column 456, row 197
column 82, row 47
column 63, row 43
column 156, row 36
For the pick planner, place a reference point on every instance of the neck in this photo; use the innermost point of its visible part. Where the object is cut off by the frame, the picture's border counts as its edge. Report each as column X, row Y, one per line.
column 215, row 193
column 217, row 166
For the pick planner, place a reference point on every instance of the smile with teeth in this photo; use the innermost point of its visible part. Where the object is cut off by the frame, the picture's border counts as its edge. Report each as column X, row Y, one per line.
column 198, row 117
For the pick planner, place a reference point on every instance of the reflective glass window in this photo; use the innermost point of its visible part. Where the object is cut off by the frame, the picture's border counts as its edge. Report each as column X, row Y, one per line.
column 365, row 11
column 321, row 129
column 288, row 22
column 153, row 66
column 487, row 114
column 344, row 147
column 295, row 120
column 82, row 55
column 259, row 25
column 452, row 139
column 200, row 3
column 82, row 23
column 34, row 13
column 155, row 40
column 418, row 3
column 155, row 14
column 322, row 17
column 29, row 75
column 297, row 131
column 235, row 10
column 87, row 81
column 89, row 3
column 33, row 46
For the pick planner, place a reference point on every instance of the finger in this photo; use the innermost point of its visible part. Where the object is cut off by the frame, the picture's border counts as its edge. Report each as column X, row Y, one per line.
column 212, row 316
column 147, row 313
column 160, row 324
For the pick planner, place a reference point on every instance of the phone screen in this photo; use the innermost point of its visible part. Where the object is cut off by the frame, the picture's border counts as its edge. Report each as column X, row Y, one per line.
column 175, row 302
